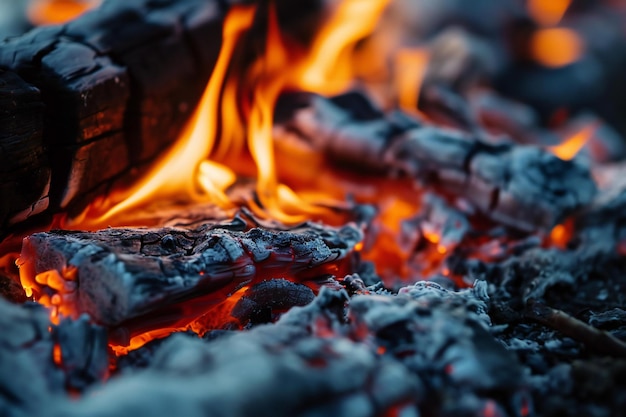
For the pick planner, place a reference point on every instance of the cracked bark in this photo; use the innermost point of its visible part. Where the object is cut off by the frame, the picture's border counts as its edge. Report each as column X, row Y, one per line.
column 519, row 186
column 136, row 280
column 109, row 104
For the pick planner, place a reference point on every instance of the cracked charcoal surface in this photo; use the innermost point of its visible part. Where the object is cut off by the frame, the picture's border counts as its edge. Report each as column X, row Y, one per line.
column 124, row 274
column 519, row 186
column 343, row 373
column 30, row 381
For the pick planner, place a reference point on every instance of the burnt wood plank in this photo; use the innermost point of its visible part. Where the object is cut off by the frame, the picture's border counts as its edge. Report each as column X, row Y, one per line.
column 24, row 165
column 136, row 280
column 118, row 84
column 520, row 186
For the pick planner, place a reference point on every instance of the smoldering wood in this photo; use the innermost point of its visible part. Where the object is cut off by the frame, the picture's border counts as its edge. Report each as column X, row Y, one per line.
column 265, row 300
column 29, row 377
column 28, row 372
column 424, row 350
column 274, row 370
column 520, row 186
column 24, row 164
column 136, row 280
column 118, row 83
column 84, row 352
column 447, row 108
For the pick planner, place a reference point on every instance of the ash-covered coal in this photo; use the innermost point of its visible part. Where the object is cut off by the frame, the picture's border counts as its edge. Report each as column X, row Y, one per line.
column 426, row 350
column 40, row 361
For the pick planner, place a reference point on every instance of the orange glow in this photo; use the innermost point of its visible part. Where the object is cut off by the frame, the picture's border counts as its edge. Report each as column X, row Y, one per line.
column 52, row 12
column 556, row 47
column 138, row 341
column 175, row 176
column 219, row 315
column 561, row 234
column 63, row 283
column 238, row 103
column 56, row 354
column 392, row 249
column 572, row 146
column 410, row 71
column 216, row 318
column 328, row 69
column 548, row 12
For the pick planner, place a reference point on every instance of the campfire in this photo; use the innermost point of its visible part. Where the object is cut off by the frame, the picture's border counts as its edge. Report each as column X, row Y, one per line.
column 340, row 207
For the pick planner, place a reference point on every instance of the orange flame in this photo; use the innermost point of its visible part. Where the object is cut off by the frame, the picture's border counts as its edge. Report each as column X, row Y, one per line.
column 184, row 174
column 57, row 355
column 52, row 12
column 176, row 174
column 328, row 69
column 573, row 145
column 548, row 12
column 410, row 72
column 556, row 47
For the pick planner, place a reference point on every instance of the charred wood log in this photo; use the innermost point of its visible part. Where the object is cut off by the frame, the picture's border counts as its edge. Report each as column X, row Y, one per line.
column 24, row 172
column 136, row 280
column 262, row 302
column 520, row 186
column 112, row 103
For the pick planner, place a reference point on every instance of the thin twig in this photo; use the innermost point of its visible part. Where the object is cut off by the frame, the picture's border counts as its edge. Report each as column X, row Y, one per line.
column 594, row 339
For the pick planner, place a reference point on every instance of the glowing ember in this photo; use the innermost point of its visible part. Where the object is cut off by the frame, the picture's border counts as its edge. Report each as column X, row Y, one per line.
column 411, row 66
column 548, row 12
column 50, row 12
column 572, row 146
column 556, row 47
column 57, row 355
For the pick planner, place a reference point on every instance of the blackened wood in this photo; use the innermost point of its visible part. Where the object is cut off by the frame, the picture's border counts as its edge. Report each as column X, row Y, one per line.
column 520, row 186
column 83, row 350
column 142, row 279
column 263, row 302
column 118, row 83
column 24, row 165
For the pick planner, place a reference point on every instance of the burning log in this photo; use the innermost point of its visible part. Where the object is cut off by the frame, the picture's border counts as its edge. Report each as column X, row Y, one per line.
column 519, row 186
column 111, row 103
column 137, row 280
